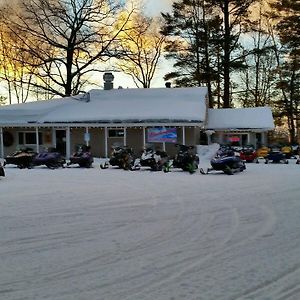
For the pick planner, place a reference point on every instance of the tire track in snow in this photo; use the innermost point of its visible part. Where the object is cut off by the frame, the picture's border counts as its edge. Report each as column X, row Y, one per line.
column 188, row 267
column 278, row 288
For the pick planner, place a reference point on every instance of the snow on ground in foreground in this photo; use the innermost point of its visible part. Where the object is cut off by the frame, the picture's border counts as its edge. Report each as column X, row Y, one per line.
column 111, row 234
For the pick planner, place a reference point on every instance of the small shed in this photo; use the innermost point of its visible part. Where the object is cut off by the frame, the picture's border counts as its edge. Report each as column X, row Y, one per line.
column 239, row 126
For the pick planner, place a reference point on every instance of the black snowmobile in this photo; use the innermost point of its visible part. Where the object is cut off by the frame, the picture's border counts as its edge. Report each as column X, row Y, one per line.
column 82, row 156
column 225, row 161
column 276, row 156
column 157, row 160
column 22, row 158
column 2, row 173
column 51, row 158
column 186, row 159
column 122, row 157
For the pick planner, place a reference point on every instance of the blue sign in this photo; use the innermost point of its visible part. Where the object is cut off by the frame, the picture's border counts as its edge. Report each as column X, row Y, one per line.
column 162, row 135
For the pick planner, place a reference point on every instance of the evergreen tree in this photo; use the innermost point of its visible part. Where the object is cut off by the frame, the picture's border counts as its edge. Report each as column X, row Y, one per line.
column 194, row 43
column 258, row 81
column 205, row 43
column 234, row 14
column 288, row 13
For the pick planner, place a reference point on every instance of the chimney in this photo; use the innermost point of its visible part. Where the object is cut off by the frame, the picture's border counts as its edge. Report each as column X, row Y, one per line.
column 168, row 84
column 108, row 78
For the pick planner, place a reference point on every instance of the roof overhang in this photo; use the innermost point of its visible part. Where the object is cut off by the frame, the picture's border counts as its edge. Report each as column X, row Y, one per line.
column 105, row 124
column 258, row 130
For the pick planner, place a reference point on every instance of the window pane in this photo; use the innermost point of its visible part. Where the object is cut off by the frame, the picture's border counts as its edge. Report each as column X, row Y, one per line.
column 21, row 138
column 40, row 138
column 116, row 133
column 30, row 138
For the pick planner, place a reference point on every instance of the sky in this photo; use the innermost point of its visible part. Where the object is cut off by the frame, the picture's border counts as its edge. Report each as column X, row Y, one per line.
column 154, row 7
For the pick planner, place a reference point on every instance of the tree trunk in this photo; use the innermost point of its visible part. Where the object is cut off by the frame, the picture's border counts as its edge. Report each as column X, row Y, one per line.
column 226, row 97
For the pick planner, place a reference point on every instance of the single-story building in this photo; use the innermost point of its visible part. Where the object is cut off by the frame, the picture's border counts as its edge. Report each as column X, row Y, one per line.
column 240, row 126
column 132, row 117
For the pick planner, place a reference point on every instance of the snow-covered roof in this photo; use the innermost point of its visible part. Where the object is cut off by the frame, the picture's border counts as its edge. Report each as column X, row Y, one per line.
column 110, row 106
column 240, row 118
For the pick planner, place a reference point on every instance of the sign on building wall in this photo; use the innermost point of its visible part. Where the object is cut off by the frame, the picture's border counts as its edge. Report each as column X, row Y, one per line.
column 161, row 135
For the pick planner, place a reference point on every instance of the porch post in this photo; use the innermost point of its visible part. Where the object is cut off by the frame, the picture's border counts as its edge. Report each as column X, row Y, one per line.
column 144, row 137
column 37, row 139
column 87, row 136
column 125, row 136
column 183, row 135
column 209, row 133
column 68, row 143
column 263, row 138
column 1, row 143
column 248, row 138
column 105, row 141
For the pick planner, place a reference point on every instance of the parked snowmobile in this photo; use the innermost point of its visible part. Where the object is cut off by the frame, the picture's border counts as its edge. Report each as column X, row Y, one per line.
column 2, row 173
column 225, row 161
column 82, row 156
column 51, row 158
column 157, row 160
column 248, row 154
column 276, row 156
column 287, row 151
column 121, row 157
column 262, row 152
column 186, row 159
column 22, row 158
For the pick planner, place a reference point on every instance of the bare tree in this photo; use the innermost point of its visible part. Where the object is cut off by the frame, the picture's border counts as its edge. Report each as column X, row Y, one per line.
column 141, row 49
column 14, row 68
column 65, row 39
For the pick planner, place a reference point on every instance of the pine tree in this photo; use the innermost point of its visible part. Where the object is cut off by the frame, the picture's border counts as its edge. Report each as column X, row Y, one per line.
column 205, row 42
column 194, row 43
column 288, row 13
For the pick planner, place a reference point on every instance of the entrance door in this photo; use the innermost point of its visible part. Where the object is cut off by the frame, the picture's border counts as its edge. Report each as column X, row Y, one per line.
column 61, row 141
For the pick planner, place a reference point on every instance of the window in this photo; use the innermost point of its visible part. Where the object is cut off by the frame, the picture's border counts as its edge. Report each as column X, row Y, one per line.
column 116, row 133
column 29, row 138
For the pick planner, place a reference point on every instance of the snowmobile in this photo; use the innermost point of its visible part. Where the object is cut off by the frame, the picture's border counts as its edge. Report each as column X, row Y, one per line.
column 287, row 151
column 276, row 156
column 185, row 159
column 262, row 152
column 82, row 156
column 248, row 154
column 157, row 160
column 2, row 173
column 122, row 157
column 225, row 161
column 51, row 158
column 22, row 158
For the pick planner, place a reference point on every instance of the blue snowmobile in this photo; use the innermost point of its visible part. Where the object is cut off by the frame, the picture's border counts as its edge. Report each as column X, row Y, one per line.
column 82, row 156
column 51, row 158
column 225, row 161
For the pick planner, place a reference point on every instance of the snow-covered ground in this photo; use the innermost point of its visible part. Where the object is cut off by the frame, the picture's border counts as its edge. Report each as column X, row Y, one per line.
column 73, row 234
